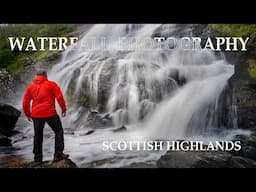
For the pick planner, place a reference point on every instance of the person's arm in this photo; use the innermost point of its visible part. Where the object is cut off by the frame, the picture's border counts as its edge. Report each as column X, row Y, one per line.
column 59, row 96
column 26, row 103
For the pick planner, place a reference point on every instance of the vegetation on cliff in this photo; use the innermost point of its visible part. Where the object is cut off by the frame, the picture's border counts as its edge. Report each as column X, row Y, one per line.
column 13, row 60
column 236, row 30
column 242, row 30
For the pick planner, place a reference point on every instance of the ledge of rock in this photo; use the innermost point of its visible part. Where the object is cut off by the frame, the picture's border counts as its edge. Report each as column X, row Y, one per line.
column 209, row 159
column 65, row 163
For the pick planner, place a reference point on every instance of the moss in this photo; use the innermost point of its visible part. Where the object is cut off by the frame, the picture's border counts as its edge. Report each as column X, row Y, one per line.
column 16, row 66
column 42, row 55
column 251, row 101
column 12, row 60
column 252, row 68
column 241, row 30
column 236, row 30
column 82, row 100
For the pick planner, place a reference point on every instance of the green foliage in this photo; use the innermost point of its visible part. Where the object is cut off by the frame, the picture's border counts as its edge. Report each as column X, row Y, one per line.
column 252, row 68
column 12, row 59
column 251, row 101
column 236, row 30
column 5, row 57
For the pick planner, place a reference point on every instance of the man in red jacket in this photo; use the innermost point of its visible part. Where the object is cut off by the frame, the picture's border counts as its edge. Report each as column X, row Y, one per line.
column 43, row 93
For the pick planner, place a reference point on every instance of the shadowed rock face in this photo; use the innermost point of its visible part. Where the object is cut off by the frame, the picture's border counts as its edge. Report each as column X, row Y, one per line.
column 216, row 159
column 244, row 158
column 8, row 118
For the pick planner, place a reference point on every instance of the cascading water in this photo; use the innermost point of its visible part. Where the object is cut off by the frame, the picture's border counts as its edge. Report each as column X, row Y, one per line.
column 156, row 94
column 170, row 93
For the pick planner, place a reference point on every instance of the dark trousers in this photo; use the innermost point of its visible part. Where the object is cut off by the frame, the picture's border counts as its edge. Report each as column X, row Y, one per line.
column 55, row 123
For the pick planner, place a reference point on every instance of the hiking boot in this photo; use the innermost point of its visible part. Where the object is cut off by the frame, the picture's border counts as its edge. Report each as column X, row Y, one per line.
column 60, row 157
column 38, row 159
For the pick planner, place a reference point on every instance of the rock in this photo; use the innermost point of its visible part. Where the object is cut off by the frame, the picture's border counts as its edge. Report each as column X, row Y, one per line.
column 8, row 118
column 6, row 83
column 65, row 163
column 242, row 162
column 120, row 129
column 20, row 139
column 248, row 146
column 90, row 132
column 4, row 141
column 105, row 83
column 141, row 165
column 11, row 161
column 96, row 120
column 190, row 159
column 103, row 163
column 29, row 61
column 94, row 112
column 209, row 159
column 87, row 133
column 68, row 132
column 237, row 103
column 146, row 108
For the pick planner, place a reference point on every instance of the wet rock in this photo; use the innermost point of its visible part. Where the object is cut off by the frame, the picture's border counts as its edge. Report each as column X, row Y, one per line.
column 20, row 139
column 141, row 165
column 4, row 141
column 94, row 112
column 120, row 129
column 238, row 100
column 189, row 159
column 248, row 146
column 102, row 163
column 242, row 162
column 209, row 159
column 146, row 108
column 65, row 163
column 8, row 118
column 6, row 83
column 29, row 61
column 68, row 132
column 96, row 120
column 87, row 133
column 105, row 83
column 11, row 161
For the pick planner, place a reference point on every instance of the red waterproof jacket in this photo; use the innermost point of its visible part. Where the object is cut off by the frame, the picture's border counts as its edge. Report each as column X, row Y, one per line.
column 42, row 93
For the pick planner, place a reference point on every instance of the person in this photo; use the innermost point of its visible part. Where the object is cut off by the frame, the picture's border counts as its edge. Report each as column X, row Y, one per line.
column 43, row 93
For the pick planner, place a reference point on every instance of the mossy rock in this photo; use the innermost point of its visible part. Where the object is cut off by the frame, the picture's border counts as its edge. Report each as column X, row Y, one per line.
column 252, row 68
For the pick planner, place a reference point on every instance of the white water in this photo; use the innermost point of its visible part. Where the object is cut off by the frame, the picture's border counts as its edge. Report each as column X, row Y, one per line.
column 157, row 94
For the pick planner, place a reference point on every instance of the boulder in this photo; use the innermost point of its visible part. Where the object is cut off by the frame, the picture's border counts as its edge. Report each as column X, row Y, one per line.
column 242, row 162
column 8, row 118
column 209, row 159
column 248, row 146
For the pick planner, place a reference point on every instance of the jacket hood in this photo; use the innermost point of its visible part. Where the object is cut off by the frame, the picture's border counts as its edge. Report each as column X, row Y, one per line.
column 40, row 79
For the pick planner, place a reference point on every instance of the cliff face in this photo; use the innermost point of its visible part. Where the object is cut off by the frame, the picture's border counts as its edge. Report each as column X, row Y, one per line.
column 238, row 100
column 242, row 88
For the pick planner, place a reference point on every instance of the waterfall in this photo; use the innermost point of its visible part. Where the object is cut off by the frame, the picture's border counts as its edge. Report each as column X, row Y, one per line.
column 166, row 93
